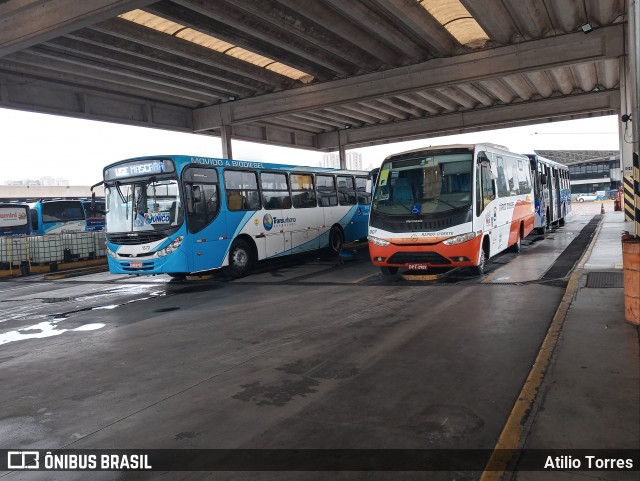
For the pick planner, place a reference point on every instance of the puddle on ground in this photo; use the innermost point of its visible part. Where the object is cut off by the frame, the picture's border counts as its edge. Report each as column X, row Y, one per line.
column 42, row 330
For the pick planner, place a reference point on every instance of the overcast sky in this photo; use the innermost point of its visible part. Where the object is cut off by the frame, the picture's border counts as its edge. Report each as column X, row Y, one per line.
column 37, row 145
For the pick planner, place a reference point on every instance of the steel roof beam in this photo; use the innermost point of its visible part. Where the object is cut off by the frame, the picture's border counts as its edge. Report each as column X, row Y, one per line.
column 28, row 92
column 602, row 43
column 145, row 37
column 225, row 22
column 26, row 23
column 523, row 113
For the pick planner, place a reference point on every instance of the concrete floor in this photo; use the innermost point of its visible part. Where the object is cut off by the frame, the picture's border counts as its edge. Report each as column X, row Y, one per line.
column 316, row 354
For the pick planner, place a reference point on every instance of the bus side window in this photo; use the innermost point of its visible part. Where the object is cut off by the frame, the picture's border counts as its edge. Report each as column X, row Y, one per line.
column 346, row 190
column 363, row 196
column 303, row 193
column 275, row 191
column 241, row 190
column 486, row 191
column 326, row 190
column 503, row 190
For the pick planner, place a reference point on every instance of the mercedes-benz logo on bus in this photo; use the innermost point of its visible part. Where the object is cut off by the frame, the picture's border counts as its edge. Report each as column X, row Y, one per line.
column 267, row 221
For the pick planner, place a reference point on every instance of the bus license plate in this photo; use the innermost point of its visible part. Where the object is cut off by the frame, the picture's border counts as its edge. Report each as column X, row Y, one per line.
column 418, row 267
column 135, row 264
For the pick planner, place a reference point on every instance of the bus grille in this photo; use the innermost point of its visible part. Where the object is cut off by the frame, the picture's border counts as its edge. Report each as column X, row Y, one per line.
column 139, row 237
column 418, row 258
column 413, row 226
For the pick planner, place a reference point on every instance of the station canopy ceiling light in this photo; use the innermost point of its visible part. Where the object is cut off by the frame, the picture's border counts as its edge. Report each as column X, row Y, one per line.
column 453, row 16
column 183, row 32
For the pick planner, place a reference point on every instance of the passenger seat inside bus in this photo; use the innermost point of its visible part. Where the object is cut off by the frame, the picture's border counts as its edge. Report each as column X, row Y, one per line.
column 402, row 191
column 235, row 200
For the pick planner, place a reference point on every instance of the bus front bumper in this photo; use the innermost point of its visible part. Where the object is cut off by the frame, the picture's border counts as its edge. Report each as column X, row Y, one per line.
column 172, row 263
column 425, row 256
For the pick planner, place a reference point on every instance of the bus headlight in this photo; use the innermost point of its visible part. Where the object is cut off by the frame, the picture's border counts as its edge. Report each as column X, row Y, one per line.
column 171, row 247
column 377, row 241
column 111, row 254
column 459, row 239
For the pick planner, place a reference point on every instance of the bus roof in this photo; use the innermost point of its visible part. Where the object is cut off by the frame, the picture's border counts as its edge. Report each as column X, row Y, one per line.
column 439, row 148
column 184, row 160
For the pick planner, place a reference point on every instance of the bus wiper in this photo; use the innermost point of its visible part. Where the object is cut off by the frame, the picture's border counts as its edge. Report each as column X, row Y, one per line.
column 116, row 184
column 405, row 206
column 438, row 199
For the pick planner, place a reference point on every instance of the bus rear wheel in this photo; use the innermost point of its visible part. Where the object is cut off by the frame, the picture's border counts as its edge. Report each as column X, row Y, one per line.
column 336, row 241
column 240, row 259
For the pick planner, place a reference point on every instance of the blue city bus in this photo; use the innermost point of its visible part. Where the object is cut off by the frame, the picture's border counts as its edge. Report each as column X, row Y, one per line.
column 57, row 217
column 552, row 192
column 94, row 212
column 14, row 219
column 180, row 215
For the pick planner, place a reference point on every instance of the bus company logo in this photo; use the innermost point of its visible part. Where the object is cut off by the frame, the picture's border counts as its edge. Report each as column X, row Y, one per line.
column 267, row 221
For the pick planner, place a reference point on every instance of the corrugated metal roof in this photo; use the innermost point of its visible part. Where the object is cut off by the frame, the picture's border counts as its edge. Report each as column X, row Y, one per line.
column 180, row 58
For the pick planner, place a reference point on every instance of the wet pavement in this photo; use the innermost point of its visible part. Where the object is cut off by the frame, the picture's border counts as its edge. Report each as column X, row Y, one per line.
column 312, row 353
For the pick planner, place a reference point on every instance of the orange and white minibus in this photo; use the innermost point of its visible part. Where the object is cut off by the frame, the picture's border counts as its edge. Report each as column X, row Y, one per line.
column 449, row 206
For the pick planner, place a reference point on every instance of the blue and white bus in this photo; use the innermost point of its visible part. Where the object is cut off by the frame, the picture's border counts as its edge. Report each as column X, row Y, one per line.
column 57, row 217
column 94, row 212
column 552, row 192
column 14, row 219
column 180, row 215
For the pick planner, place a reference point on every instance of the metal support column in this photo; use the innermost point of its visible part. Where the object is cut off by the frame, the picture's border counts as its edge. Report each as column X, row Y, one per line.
column 342, row 137
column 634, row 65
column 225, row 136
column 626, row 139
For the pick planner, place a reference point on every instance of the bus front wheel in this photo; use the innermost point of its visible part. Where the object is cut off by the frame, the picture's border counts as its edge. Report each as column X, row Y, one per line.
column 388, row 270
column 177, row 276
column 479, row 269
column 240, row 259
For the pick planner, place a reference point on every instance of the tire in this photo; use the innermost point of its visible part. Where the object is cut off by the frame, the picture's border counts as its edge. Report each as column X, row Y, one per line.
column 580, row 200
column 336, row 241
column 479, row 269
column 241, row 259
column 177, row 276
column 388, row 271
column 542, row 230
column 548, row 220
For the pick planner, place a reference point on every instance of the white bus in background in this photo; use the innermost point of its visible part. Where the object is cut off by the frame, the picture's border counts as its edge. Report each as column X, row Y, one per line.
column 552, row 192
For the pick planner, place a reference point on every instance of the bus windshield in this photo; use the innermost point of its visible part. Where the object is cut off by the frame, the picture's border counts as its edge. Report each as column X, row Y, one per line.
column 424, row 184
column 143, row 205
column 62, row 211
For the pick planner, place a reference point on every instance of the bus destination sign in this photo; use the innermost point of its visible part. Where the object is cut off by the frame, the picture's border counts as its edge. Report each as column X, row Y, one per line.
column 138, row 169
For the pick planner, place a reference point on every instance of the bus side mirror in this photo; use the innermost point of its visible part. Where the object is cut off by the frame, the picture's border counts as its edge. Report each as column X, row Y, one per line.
column 543, row 179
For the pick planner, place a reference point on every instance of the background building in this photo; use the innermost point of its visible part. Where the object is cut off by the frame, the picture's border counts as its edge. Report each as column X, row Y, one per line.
column 354, row 161
column 590, row 170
